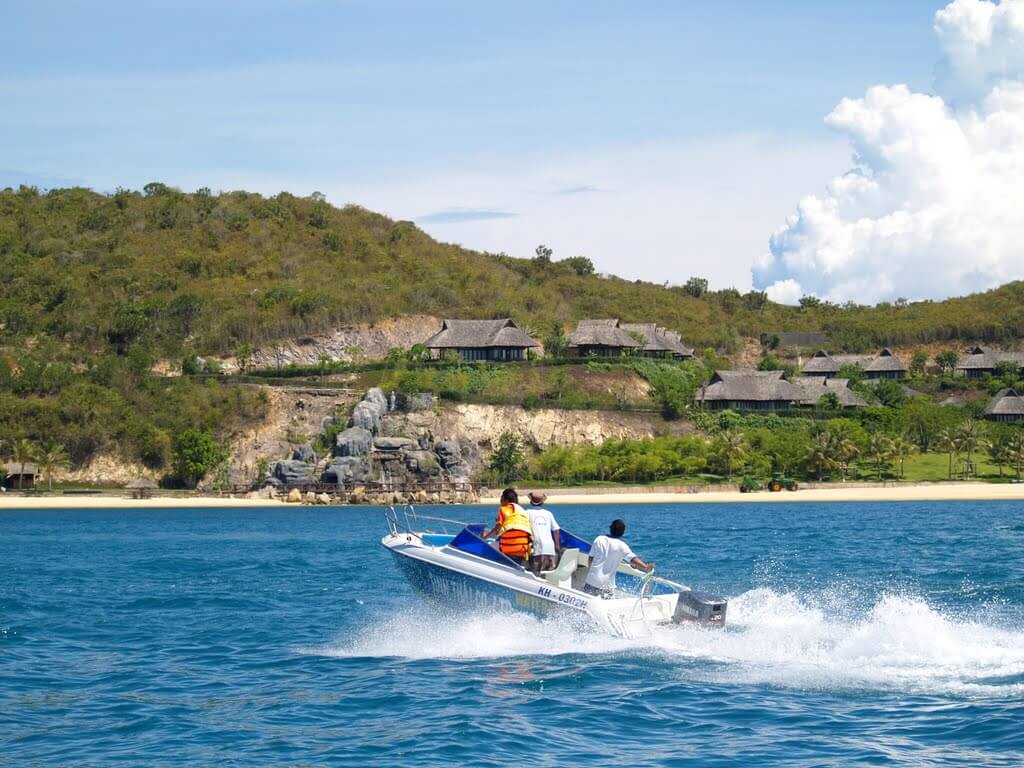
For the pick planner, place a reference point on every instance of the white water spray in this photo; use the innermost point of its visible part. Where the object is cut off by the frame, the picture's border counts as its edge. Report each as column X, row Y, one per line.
column 772, row 638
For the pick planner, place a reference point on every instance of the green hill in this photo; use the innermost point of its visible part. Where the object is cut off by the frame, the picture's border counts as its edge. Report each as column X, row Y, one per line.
column 106, row 272
column 96, row 287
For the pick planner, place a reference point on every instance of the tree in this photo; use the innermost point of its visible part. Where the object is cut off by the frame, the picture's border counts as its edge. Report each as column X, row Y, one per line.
column 947, row 361
column 919, row 363
column 696, row 287
column 508, row 460
column 1015, row 448
column 23, row 452
column 244, row 356
column 809, row 302
column 890, row 393
column 556, row 342
column 948, row 442
column 769, row 363
column 196, row 454
column 185, row 308
column 730, row 448
column 880, row 452
column 969, row 438
column 1000, row 451
column 543, row 255
column 902, row 447
column 581, row 265
column 52, row 456
column 821, row 455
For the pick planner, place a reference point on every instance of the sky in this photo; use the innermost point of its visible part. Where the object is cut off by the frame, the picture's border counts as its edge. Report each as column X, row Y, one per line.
column 659, row 139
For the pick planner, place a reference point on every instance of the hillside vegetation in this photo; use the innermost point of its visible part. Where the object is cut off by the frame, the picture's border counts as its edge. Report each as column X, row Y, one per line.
column 168, row 271
column 97, row 287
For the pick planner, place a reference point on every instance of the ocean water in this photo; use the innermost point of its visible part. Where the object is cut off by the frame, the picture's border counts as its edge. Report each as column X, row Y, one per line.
column 859, row 634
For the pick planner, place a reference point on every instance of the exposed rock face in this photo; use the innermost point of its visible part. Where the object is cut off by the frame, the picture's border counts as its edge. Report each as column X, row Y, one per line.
column 356, row 342
column 293, row 472
column 376, row 395
column 354, row 441
column 347, row 469
column 367, row 415
column 304, row 453
column 449, row 452
column 423, row 463
column 393, row 443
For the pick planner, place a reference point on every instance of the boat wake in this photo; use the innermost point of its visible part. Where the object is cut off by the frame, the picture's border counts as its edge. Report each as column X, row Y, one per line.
column 773, row 638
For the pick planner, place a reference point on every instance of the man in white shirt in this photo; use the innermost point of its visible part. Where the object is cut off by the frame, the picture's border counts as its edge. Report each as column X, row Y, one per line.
column 605, row 555
column 545, row 535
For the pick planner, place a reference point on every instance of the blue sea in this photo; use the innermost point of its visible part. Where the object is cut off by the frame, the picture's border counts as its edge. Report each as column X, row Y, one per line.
column 859, row 634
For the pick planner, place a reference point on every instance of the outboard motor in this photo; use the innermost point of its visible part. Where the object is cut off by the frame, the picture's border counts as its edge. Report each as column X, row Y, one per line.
column 700, row 607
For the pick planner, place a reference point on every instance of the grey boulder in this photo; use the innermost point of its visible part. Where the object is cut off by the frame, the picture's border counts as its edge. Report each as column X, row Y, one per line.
column 354, row 441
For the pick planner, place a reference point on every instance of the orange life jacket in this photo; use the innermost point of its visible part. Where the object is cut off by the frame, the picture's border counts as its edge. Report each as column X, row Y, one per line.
column 516, row 536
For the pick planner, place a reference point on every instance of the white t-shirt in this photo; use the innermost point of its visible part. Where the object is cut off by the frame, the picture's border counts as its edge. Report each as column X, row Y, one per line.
column 544, row 526
column 607, row 553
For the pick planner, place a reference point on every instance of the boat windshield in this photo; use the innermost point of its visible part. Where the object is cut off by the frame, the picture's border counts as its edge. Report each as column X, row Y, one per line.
column 468, row 540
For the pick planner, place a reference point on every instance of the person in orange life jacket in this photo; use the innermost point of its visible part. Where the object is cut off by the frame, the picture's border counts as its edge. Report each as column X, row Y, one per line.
column 512, row 527
column 605, row 555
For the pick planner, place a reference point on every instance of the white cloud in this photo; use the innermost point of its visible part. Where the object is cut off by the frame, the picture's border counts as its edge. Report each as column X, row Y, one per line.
column 931, row 207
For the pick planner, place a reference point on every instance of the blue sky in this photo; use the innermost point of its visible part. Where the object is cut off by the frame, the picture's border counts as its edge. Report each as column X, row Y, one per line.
column 498, row 125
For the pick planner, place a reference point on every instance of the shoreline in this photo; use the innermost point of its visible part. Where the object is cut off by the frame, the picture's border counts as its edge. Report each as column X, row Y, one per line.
column 955, row 491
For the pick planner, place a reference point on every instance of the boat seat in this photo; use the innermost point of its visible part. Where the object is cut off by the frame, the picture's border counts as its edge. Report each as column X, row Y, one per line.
column 562, row 575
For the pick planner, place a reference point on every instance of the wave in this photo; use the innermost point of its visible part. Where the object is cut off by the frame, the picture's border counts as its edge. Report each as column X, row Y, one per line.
column 823, row 641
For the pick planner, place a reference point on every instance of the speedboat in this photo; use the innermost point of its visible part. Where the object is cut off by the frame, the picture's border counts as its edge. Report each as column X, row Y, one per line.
column 464, row 569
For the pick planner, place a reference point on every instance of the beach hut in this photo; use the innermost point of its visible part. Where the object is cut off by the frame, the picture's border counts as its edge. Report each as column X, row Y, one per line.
column 20, row 477
column 141, row 487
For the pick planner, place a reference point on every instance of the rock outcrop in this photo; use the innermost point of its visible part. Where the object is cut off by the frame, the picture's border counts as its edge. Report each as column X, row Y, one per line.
column 354, row 441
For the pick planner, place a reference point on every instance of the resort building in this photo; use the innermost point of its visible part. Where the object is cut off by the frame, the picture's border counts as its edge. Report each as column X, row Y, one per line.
column 20, row 476
column 492, row 340
column 982, row 361
column 601, row 338
column 749, row 391
column 1006, row 406
column 658, row 342
column 814, row 388
column 884, row 365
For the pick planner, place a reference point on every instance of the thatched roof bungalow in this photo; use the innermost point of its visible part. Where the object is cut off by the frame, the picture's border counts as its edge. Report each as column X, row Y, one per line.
column 1006, row 406
column 603, row 338
column 494, row 340
column 981, row 361
column 20, row 476
column 657, row 341
column 816, row 387
column 884, row 365
column 749, row 391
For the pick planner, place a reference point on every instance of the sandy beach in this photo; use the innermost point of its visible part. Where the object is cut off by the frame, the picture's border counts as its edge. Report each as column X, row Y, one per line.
column 633, row 495
column 920, row 492
column 101, row 501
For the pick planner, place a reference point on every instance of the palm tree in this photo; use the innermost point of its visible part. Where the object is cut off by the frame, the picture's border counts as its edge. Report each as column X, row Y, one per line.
column 999, row 451
column 902, row 446
column 843, row 446
column 1015, row 451
column 24, row 452
column 732, row 447
column 822, row 453
column 880, row 451
column 948, row 442
column 51, row 456
column 968, row 438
